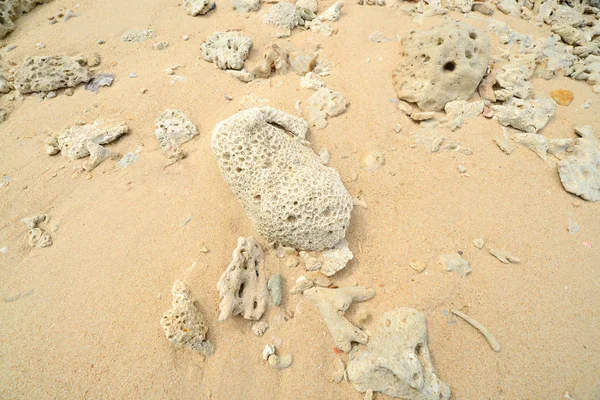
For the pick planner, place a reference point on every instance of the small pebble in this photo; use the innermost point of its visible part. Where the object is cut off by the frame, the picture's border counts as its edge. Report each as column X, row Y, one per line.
column 51, row 95
column 101, row 41
column 587, row 104
column 397, row 128
column 40, row 45
column 576, row 203
column 462, row 169
column 228, row 97
column 169, row 71
column 4, row 250
column 562, row 97
column 143, row 91
column 132, row 75
column 69, row 92
column 185, row 38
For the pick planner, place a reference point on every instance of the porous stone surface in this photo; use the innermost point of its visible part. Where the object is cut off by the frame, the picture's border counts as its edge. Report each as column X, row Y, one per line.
column 329, row 261
column 441, row 65
column 46, row 73
column 332, row 304
column 11, row 10
column 173, row 128
column 39, row 238
column 98, row 155
column 72, row 142
column 243, row 285
column 311, row 5
column 580, row 172
column 323, row 104
column 283, row 15
column 183, row 324
column 396, row 360
column 246, row 5
column 227, row 50
column 135, row 36
column 525, row 115
column 459, row 5
column 292, row 198
column 515, row 75
column 197, row 7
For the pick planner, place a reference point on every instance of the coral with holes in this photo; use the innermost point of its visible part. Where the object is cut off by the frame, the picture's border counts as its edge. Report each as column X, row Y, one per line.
column 73, row 141
column 243, row 285
column 396, row 360
column 292, row 198
column 46, row 73
column 227, row 50
column 332, row 304
column 183, row 324
column 580, row 172
column 283, row 15
column 11, row 10
column 525, row 115
column 441, row 65
column 174, row 128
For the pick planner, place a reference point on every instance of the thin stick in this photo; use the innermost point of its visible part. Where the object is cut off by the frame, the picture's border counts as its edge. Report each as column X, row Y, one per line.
column 489, row 337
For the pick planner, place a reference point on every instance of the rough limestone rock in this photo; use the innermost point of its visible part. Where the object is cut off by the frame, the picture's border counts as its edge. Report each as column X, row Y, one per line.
column 515, row 75
column 441, row 65
column 333, row 303
column 525, row 115
column 323, row 104
column 243, row 285
column 135, row 36
column 245, row 5
column 589, row 70
column 5, row 85
column 396, row 360
column 174, row 128
column 11, row 10
column 463, row 6
column 284, row 16
column 292, row 198
column 227, row 50
column 72, row 142
column 329, row 261
column 197, row 7
column 46, row 73
column 183, row 324
column 310, row 5
column 580, row 172
column 98, row 155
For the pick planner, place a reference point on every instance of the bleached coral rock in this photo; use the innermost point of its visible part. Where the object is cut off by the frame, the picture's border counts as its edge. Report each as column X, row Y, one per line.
column 73, row 141
column 183, row 324
column 525, row 115
column 323, row 104
column 173, row 128
column 292, row 198
column 459, row 5
column 441, row 65
column 396, row 360
column 580, row 172
column 243, row 285
column 227, row 50
column 333, row 303
column 246, row 5
column 43, row 74
column 329, row 261
column 197, row 7
column 283, row 15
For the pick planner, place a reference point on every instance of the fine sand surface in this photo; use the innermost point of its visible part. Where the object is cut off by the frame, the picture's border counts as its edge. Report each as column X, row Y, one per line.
column 90, row 328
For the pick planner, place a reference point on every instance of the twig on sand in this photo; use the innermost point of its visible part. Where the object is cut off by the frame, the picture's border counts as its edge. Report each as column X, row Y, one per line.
column 489, row 337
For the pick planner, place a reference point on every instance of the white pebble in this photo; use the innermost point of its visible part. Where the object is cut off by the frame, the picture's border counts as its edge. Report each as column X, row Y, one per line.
column 132, row 75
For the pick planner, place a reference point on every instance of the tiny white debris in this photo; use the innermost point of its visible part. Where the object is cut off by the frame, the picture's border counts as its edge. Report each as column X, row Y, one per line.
column 4, row 250
column 259, row 329
column 269, row 350
column 454, row 262
column 479, row 243
column 462, row 169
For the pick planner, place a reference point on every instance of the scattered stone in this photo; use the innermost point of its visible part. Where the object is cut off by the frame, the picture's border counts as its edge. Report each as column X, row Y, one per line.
column 243, row 285
column 227, row 50
column 329, row 261
column 379, row 37
column 51, row 146
column 397, row 128
column 69, row 14
column 333, row 303
column 40, row 45
column 562, row 97
column 586, row 104
column 98, row 154
column 44, row 74
column 372, row 161
column 138, row 36
column 73, row 141
column 311, row 81
column 275, row 286
column 324, row 104
column 462, row 169
column 283, row 206
column 418, row 266
column 33, row 222
column 441, row 65
column 339, row 370
column 573, row 227
column 69, row 92
column 422, row 115
column 580, row 172
column 259, row 328
column 51, row 95
column 184, row 325
column 5, row 85
column 479, row 243
column 454, row 262
column 514, row 76
column 284, row 16
column 302, row 62
column 38, row 238
column 504, row 256
column 488, row 336
column 525, row 115
column 463, row 6
column 173, row 129
column 324, row 156
column 245, row 6
column 483, row 8
column 197, row 7
column 133, row 75
column 160, row 45
column 268, row 350
column 101, row 41
column 280, row 362
column 396, row 360
column 99, row 81
column 302, row 284
column 310, row 5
